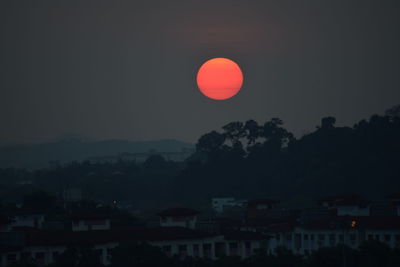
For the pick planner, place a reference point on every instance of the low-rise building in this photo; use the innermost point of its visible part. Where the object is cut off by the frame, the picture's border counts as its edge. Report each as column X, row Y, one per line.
column 395, row 202
column 28, row 218
column 219, row 204
column 42, row 247
column 90, row 222
column 180, row 217
column 347, row 205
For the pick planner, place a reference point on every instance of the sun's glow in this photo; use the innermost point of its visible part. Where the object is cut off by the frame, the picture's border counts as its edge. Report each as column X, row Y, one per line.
column 219, row 78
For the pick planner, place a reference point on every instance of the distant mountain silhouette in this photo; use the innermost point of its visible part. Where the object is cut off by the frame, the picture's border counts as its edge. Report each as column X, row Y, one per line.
column 39, row 155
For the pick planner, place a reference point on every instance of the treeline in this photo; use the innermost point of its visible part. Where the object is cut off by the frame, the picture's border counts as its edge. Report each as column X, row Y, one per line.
column 244, row 159
column 102, row 182
column 251, row 159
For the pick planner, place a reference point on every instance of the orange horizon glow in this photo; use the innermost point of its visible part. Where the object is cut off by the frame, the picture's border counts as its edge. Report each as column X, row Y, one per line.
column 219, row 78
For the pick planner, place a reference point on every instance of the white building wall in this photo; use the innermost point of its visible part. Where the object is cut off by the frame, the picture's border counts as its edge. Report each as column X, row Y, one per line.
column 352, row 211
column 86, row 225
column 390, row 237
column 219, row 203
column 280, row 239
column 35, row 221
column 174, row 244
column 241, row 245
column 304, row 241
column 105, row 257
column 186, row 222
column 49, row 251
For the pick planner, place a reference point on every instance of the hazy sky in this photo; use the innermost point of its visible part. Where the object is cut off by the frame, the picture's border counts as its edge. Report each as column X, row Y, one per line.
column 126, row 69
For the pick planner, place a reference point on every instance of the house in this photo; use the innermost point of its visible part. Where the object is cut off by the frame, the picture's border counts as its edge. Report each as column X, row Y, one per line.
column 316, row 213
column 178, row 217
column 352, row 231
column 42, row 246
column 28, row 218
column 90, row 222
column 280, row 233
column 383, row 208
column 221, row 203
column 311, row 236
column 347, row 205
column 385, row 229
column 395, row 202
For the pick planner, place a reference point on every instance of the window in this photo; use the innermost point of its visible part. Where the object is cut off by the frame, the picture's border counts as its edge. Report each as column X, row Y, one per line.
column 233, row 248
column 99, row 254
column 387, row 238
column 207, row 250
column 397, row 238
column 196, row 250
column 370, row 237
column 332, row 239
column 377, row 237
column 167, row 250
column 182, row 251
column 25, row 256
column 247, row 246
column 352, row 238
column 312, row 237
column 321, row 237
column 39, row 256
column 305, row 237
column 11, row 257
column 109, row 251
column 55, row 255
column 289, row 237
column 341, row 238
column 220, row 249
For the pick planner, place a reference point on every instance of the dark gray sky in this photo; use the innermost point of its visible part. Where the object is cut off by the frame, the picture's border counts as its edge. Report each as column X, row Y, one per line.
column 126, row 69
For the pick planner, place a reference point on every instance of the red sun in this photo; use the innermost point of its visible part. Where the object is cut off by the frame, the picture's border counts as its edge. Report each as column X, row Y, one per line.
column 219, row 78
